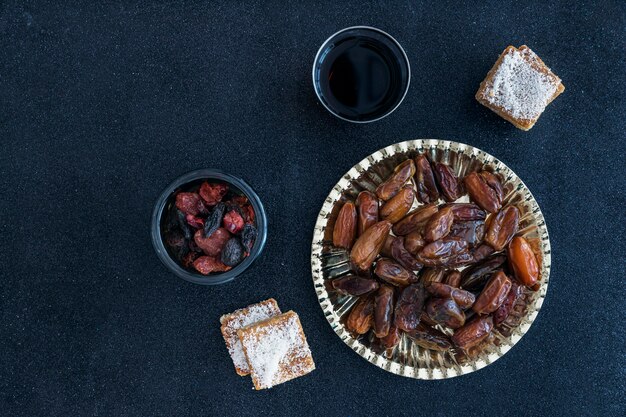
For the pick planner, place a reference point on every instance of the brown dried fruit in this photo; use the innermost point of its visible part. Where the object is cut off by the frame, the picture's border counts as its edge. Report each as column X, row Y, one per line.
column 505, row 308
column 430, row 275
column 386, row 249
column 409, row 307
column 463, row 298
column 447, row 181
column 439, row 225
column 399, row 205
column 471, row 231
column 367, row 207
column 445, row 311
column 383, row 310
column 213, row 245
column 415, row 220
column 398, row 178
column 453, row 279
column 482, row 192
column 523, row 262
column 425, row 181
column 473, row 332
column 362, row 315
column 429, row 338
column 494, row 293
column 392, row 339
column 465, row 212
column 494, row 183
column 403, row 256
column 475, row 277
column 344, row 230
column 368, row 245
column 482, row 251
column 443, row 252
column 502, row 227
column 394, row 274
column 414, row 242
column 354, row 285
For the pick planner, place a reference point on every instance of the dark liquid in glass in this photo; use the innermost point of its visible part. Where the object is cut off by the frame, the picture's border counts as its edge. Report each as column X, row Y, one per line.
column 362, row 76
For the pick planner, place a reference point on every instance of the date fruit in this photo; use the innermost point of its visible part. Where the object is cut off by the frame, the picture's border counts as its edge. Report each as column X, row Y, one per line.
column 362, row 315
column 523, row 262
column 439, row 225
column 470, row 231
column 409, row 307
column 447, row 181
column 368, row 245
column 427, row 191
column 485, row 190
column 403, row 256
column 481, row 251
column 383, row 310
column 502, row 228
column 367, row 208
column 445, row 311
column 430, row 275
column 466, row 212
column 399, row 205
column 505, row 308
column 473, row 332
column 453, row 279
column 354, row 285
column 444, row 252
column 414, row 242
column 394, row 274
column 386, row 249
column 344, row 231
column 392, row 339
column 429, row 338
column 494, row 293
column 415, row 220
column 464, row 299
column 396, row 181
column 477, row 275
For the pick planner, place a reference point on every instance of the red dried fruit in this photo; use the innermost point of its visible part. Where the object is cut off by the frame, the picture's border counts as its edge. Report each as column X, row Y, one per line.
column 213, row 193
column 233, row 222
column 251, row 216
column 239, row 200
column 195, row 222
column 189, row 259
column 207, row 264
column 190, row 203
column 213, row 245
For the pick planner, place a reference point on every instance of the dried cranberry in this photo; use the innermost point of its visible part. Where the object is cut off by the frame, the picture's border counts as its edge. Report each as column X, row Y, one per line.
column 250, row 212
column 233, row 222
column 213, row 193
column 188, row 259
column 207, row 264
column 214, row 244
column 195, row 222
column 233, row 252
column 190, row 203
column 239, row 200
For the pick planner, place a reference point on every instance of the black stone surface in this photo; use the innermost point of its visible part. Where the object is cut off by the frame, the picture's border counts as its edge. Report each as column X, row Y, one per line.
column 104, row 103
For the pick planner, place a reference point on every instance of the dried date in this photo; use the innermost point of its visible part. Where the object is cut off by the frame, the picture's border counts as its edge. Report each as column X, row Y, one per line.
column 485, row 193
column 386, row 249
column 427, row 191
column 446, row 312
column 465, row 212
column 368, row 245
column 481, row 251
column 473, row 332
column 505, row 308
column 453, row 279
column 344, row 230
column 367, row 207
column 472, row 232
column 415, row 220
column 430, row 275
column 443, row 252
column 394, row 274
column 409, row 307
column 494, row 293
column 475, row 277
column 396, row 181
column 439, row 225
column 361, row 316
column 414, row 242
column 383, row 310
column 429, row 338
column 399, row 205
column 447, row 181
column 354, row 285
column 523, row 262
column 464, row 299
column 392, row 339
column 502, row 228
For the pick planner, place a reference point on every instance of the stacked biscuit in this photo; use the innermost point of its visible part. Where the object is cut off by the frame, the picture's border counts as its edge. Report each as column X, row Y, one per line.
column 268, row 345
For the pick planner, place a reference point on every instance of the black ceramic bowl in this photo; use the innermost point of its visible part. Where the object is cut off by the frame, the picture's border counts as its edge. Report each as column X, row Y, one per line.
column 167, row 199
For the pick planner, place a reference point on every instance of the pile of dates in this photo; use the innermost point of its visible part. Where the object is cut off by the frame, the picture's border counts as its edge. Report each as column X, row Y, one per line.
column 455, row 266
column 210, row 228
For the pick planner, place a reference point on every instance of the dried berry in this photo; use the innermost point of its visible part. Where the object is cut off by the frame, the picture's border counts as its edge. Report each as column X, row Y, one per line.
column 507, row 305
column 207, row 264
column 425, row 181
column 494, row 293
column 447, row 181
column 439, row 225
column 250, row 216
column 403, row 256
column 214, row 221
column 475, row 277
column 383, row 310
column 473, row 332
column 415, row 220
column 248, row 236
column 463, row 298
column 213, row 245
column 394, row 274
column 398, row 178
column 233, row 222
column 354, row 285
column 399, row 205
column 233, row 252
column 344, row 230
column 502, row 227
column 190, row 203
column 362, row 315
column 367, row 207
column 368, row 245
column 213, row 193
column 445, row 311
column 195, row 222
column 414, row 242
column 239, row 200
column 429, row 338
column 482, row 192
column 523, row 262
column 409, row 307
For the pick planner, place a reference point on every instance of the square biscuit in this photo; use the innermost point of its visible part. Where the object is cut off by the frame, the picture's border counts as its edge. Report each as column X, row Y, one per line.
column 277, row 350
column 239, row 319
column 519, row 87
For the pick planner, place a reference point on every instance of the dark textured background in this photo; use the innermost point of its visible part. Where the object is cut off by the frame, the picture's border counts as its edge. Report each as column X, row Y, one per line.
column 103, row 105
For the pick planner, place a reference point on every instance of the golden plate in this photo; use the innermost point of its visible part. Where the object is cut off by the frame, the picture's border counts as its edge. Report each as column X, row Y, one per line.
column 408, row 359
